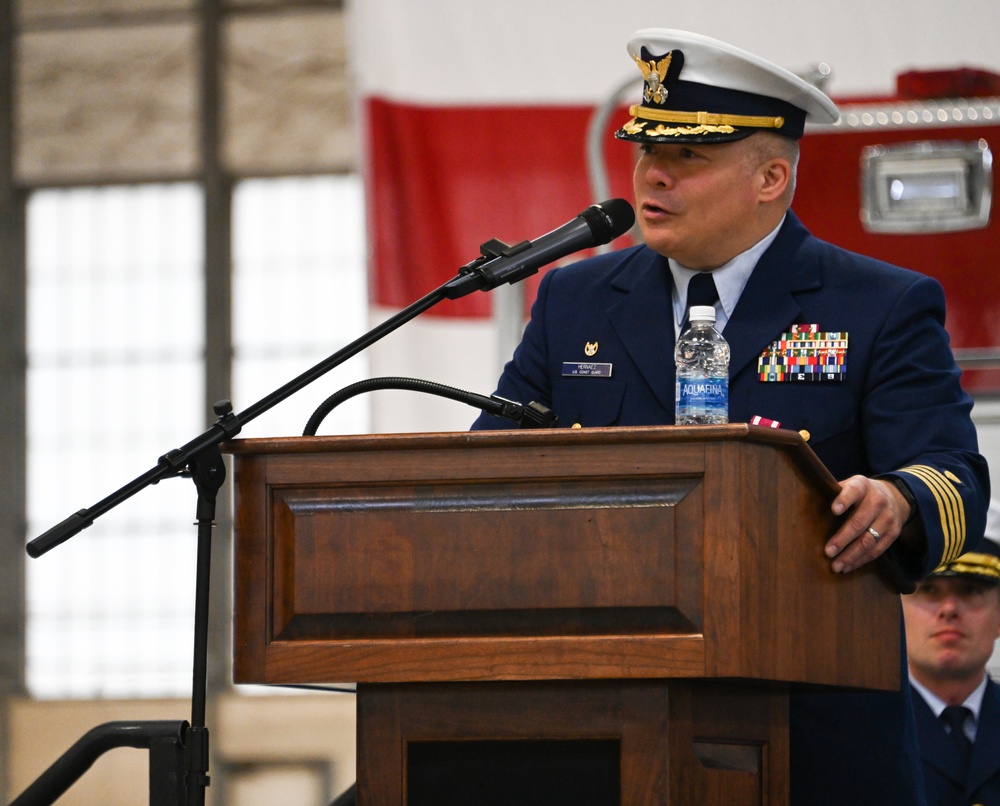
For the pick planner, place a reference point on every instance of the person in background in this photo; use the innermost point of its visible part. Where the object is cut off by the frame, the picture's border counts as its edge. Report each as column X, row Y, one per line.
column 952, row 622
column 717, row 134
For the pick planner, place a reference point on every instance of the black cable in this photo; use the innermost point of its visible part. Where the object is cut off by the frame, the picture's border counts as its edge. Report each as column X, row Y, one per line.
column 534, row 415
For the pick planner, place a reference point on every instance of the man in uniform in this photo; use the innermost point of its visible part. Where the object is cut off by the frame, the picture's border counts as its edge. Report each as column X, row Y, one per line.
column 952, row 621
column 717, row 134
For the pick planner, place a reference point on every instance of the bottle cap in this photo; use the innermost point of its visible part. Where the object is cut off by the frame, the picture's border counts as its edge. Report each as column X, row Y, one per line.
column 702, row 313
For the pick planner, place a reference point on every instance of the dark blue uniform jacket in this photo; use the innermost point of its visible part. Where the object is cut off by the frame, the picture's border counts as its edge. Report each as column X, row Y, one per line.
column 899, row 410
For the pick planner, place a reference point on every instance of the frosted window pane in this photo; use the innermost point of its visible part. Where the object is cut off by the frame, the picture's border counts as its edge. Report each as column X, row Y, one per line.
column 115, row 379
column 299, row 295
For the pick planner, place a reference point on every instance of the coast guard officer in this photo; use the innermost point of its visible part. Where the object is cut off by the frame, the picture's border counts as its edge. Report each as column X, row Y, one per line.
column 952, row 622
column 717, row 134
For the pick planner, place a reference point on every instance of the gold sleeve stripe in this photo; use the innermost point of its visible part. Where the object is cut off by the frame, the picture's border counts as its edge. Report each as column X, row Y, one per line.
column 950, row 507
column 706, row 118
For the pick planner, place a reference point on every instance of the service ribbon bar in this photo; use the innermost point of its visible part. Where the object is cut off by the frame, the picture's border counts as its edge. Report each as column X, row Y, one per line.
column 805, row 354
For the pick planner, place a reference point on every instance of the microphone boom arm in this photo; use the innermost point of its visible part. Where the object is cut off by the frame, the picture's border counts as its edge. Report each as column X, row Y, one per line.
column 226, row 427
column 498, row 264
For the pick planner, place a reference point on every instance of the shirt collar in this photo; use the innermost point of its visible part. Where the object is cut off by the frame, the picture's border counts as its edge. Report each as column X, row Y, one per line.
column 730, row 280
column 974, row 702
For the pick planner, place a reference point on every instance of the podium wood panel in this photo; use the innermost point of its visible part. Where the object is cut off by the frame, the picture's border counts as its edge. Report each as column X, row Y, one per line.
column 658, row 589
column 630, row 553
column 739, row 757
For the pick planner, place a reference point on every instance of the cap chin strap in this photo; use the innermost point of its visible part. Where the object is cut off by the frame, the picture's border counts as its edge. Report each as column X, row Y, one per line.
column 706, row 118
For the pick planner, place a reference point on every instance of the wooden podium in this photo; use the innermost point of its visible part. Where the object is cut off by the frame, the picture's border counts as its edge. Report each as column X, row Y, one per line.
column 620, row 611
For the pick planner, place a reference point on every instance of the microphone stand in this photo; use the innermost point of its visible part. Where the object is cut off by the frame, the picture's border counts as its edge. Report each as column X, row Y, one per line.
column 186, row 770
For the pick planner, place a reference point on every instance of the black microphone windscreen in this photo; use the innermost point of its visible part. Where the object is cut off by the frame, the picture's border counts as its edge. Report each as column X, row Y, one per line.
column 609, row 219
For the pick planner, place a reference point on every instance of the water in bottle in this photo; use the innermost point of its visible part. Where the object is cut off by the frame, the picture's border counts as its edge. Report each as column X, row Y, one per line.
column 702, row 360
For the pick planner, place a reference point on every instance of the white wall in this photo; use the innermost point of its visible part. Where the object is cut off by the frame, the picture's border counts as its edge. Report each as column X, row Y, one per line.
column 577, row 47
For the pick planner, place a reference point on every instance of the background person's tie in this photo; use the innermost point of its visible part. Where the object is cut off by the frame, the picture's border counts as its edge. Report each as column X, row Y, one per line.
column 954, row 716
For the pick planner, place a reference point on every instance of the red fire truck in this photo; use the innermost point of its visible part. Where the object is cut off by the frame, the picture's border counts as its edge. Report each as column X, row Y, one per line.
column 909, row 179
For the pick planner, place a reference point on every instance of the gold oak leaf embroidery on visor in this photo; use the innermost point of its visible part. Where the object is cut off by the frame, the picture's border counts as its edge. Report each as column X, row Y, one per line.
column 675, row 131
column 982, row 565
column 636, row 127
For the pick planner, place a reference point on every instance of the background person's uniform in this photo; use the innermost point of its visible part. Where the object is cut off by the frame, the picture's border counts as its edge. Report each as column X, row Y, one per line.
column 951, row 777
column 948, row 784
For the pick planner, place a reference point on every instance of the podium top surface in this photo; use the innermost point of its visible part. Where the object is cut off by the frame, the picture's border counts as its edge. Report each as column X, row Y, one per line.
column 790, row 441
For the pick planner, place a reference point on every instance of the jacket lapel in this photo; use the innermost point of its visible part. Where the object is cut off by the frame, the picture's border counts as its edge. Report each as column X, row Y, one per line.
column 644, row 317
column 768, row 304
column 985, row 761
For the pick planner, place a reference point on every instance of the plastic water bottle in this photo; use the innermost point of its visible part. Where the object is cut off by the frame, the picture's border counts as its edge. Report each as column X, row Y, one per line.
column 702, row 360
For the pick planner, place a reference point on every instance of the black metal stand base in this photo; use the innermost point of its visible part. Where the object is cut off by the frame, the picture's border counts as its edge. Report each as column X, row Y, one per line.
column 165, row 741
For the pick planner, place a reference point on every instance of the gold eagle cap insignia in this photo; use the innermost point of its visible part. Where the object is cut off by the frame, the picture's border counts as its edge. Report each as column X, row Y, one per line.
column 653, row 73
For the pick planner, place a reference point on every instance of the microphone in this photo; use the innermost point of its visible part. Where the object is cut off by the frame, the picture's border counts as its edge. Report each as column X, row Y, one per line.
column 500, row 263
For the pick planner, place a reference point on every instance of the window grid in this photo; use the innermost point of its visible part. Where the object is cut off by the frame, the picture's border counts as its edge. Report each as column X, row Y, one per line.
column 115, row 352
column 115, row 379
column 299, row 295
